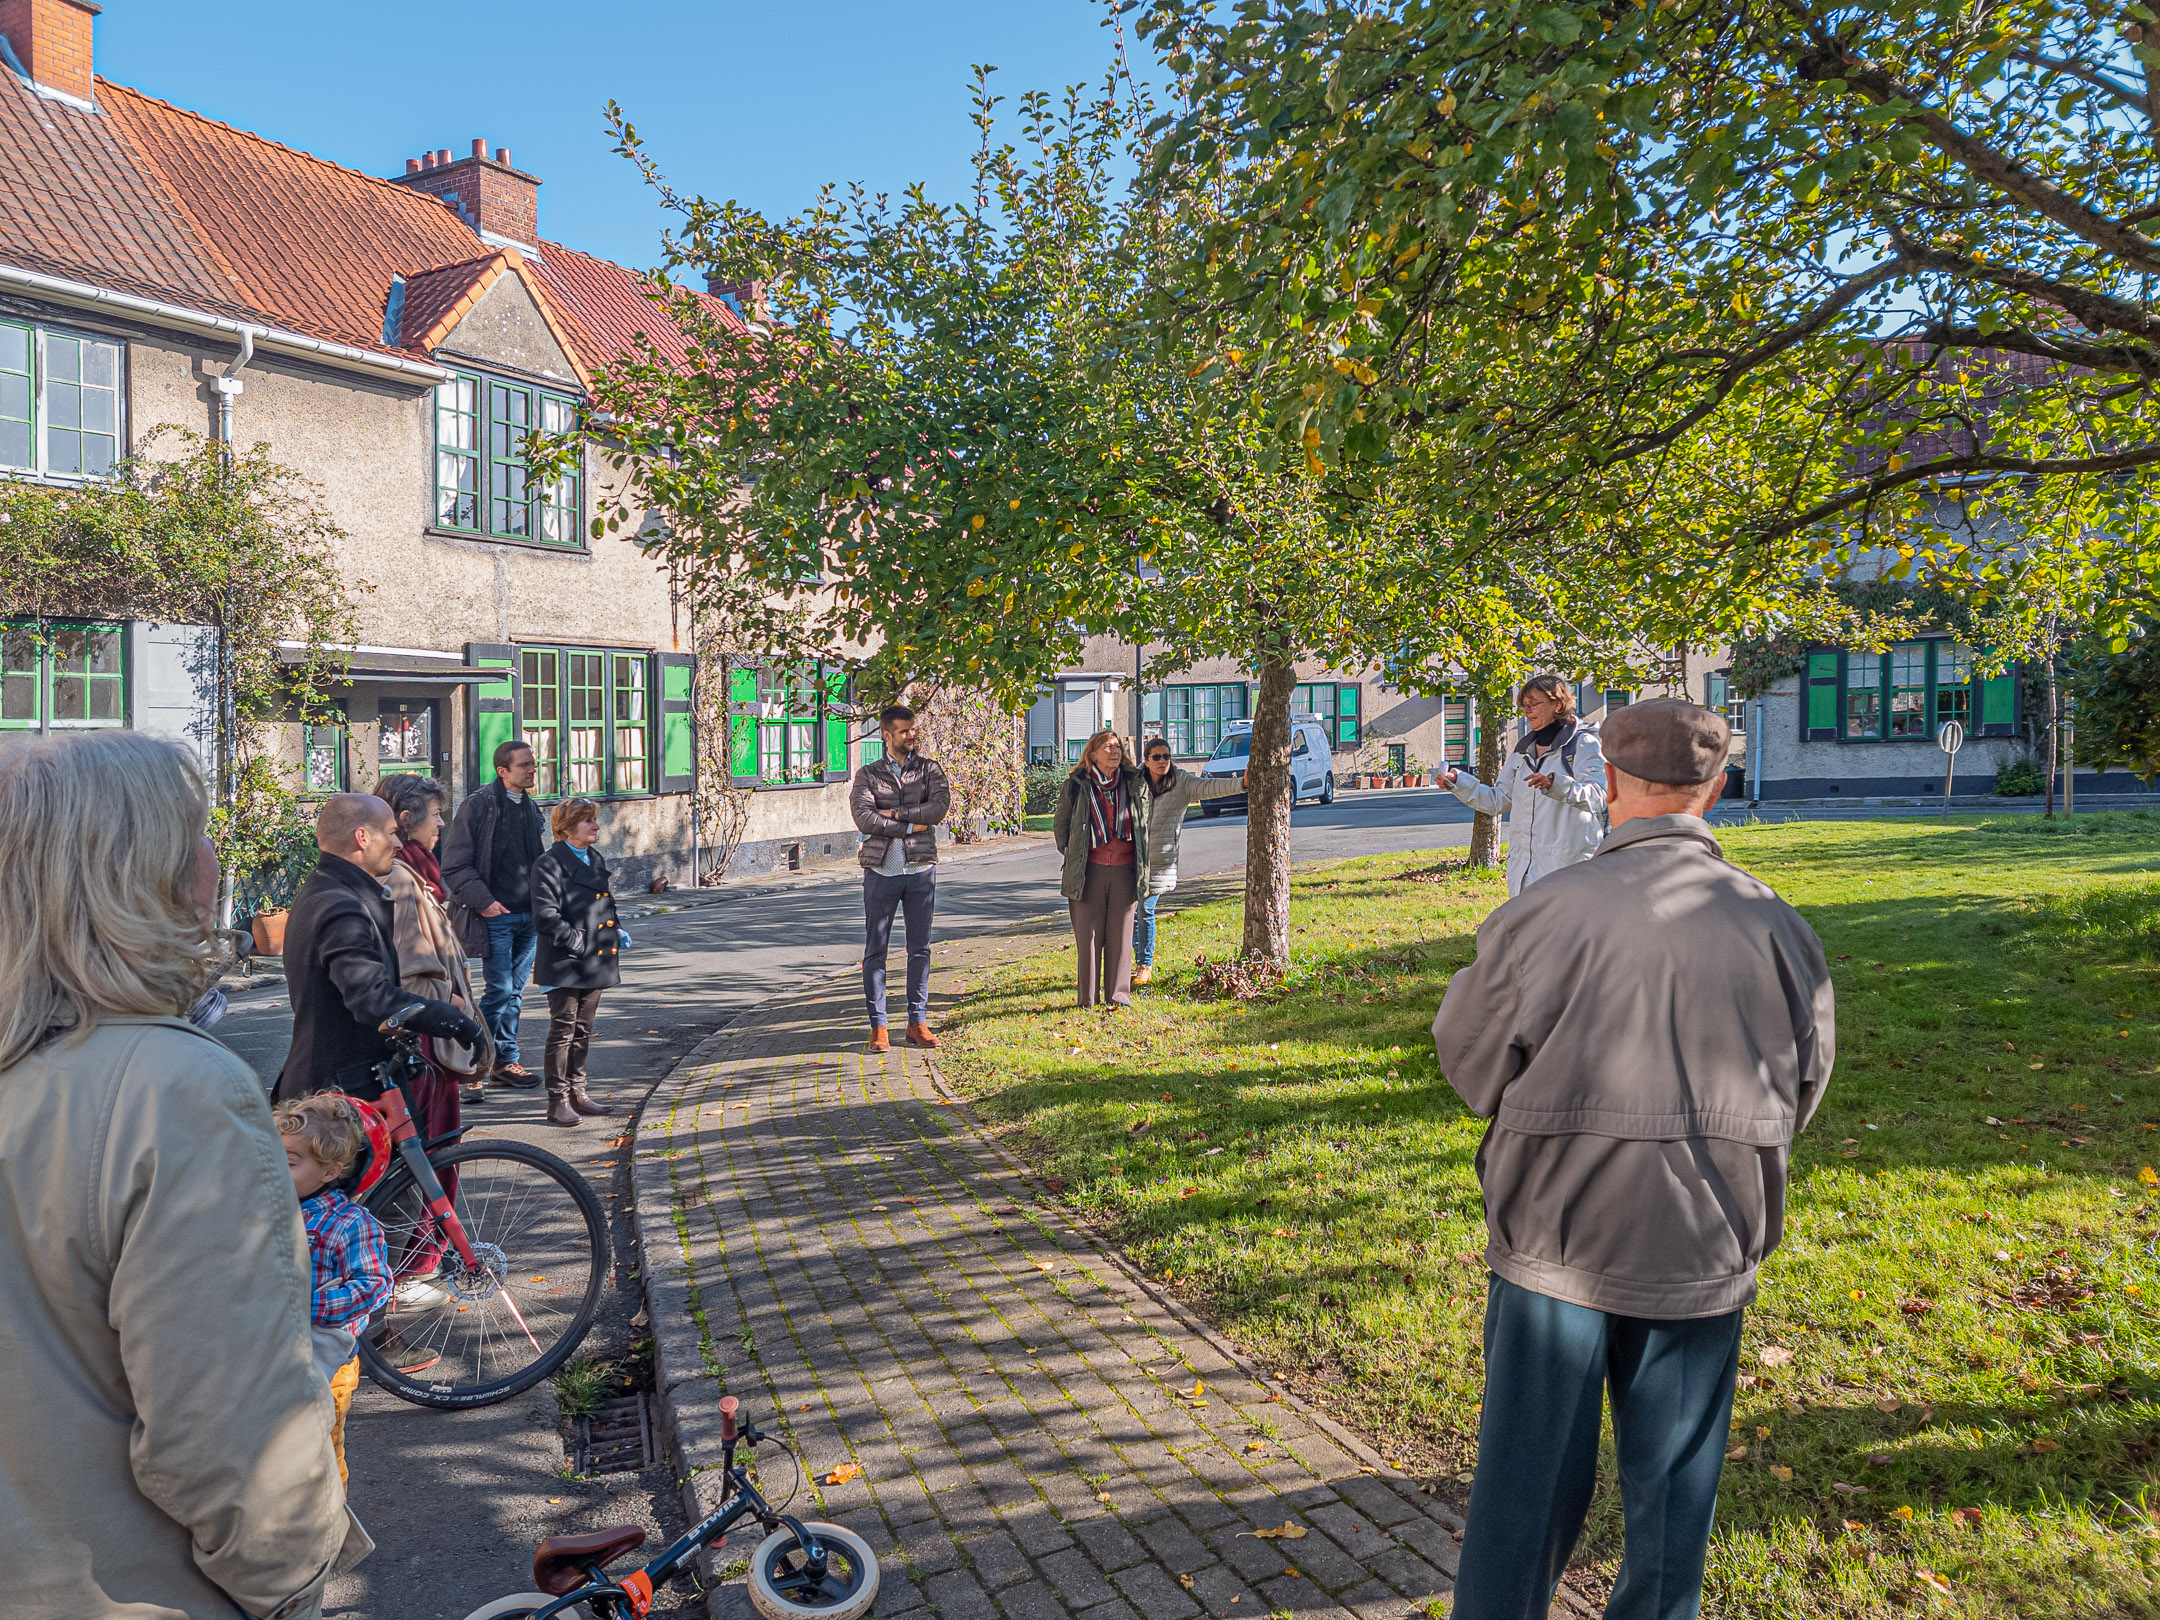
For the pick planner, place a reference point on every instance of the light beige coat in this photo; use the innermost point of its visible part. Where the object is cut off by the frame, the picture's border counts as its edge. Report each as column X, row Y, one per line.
column 164, row 1435
column 431, row 963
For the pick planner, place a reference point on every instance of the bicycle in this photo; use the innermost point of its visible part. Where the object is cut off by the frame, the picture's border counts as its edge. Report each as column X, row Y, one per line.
column 813, row 1571
column 498, row 1252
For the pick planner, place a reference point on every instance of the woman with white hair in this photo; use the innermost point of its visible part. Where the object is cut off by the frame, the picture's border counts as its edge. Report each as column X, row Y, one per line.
column 164, row 1435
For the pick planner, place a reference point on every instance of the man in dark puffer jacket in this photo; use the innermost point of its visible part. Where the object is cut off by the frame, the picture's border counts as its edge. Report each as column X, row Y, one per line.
column 896, row 802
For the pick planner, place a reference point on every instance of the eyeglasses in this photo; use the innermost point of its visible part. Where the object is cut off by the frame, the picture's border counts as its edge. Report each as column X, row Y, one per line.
column 1154, row 758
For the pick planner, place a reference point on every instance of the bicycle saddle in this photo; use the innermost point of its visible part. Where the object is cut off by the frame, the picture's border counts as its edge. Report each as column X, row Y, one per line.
column 559, row 1562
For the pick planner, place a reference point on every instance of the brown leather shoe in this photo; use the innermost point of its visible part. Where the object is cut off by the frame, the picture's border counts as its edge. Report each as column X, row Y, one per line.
column 585, row 1105
column 919, row 1035
column 559, row 1110
column 880, row 1041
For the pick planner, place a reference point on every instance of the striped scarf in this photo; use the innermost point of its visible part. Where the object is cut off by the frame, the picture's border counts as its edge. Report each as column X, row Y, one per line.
column 1109, row 809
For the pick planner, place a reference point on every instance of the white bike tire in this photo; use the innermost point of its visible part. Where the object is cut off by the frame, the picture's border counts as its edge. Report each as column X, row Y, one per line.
column 773, row 1606
column 518, row 1605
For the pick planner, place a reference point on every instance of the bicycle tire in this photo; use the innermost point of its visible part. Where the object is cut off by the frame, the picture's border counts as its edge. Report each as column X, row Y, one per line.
column 479, row 1363
column 850, row 1591
column 523, row 1606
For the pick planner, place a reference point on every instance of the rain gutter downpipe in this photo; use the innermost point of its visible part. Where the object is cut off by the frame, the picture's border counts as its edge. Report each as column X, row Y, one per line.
column 227, row 388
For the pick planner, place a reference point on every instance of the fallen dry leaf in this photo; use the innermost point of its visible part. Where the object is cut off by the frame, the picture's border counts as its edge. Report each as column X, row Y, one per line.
column 1774, row 1355
column 1888, row 1403
column 1930, row 1578
column 1844, row 1489
column 1736, row 1454
column 1780, row 1471
column 1286, row 1531
column 2047, row 1445
column 842, row 1474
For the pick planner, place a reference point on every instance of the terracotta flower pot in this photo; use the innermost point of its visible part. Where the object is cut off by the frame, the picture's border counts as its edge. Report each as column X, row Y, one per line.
column 268, row 927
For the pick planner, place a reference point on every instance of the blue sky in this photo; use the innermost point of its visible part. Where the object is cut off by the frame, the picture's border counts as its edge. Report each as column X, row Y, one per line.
column 758, row 102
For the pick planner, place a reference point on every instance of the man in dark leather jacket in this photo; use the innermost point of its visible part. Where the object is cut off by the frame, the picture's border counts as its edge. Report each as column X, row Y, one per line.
column 341, row 968
column 896, row 801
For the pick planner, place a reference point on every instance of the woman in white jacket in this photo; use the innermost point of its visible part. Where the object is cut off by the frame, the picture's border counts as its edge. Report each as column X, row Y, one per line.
column 1552, row 787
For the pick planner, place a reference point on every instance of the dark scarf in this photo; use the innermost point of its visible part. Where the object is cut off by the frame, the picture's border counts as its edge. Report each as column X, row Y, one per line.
column 425, row 867
column 1109, row 809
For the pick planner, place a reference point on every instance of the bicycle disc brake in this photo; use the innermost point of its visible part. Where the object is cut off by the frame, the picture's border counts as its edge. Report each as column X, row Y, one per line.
column 470, row 1287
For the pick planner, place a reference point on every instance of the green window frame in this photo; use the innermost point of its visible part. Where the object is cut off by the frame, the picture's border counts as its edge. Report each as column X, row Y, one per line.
column 483, row 484
column 787, row 725
column 1905, row 694
column 60, row 402
column 1457, row 740
column 1718, row 694
column 1195, row 717
column 1338, row 707
column 323, row 756
column 66, row 675
column 588, row 714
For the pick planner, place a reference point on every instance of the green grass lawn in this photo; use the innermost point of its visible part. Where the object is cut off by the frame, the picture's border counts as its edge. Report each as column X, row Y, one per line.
column 1951, row 1382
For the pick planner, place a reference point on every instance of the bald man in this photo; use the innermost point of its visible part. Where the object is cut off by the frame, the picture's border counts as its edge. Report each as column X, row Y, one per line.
column 341, row 968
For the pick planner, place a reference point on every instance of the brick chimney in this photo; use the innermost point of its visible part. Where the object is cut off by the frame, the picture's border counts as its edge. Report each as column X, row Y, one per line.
column 488, row 194
column 746, row 298
column 51, row 39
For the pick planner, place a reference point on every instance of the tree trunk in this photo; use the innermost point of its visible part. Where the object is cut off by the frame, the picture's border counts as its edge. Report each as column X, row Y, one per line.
column 2054, row 727
column 1490, row 722
column 1267, row 818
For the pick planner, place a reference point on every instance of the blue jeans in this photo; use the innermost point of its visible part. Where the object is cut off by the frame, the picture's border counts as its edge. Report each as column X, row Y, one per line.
column 509, row 963
column 1143, row 933
column 915, row 893
column 1548, row 1365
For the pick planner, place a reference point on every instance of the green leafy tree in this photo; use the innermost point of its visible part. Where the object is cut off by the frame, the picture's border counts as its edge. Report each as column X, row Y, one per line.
column 189, row 533
column 2117, row 696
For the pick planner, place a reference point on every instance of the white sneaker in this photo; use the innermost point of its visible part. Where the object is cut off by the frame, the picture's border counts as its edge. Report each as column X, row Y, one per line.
column 418, row 1294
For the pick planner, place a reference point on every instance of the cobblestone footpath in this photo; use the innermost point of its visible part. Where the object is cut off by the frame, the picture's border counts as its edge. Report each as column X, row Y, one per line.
column 1024, row 1428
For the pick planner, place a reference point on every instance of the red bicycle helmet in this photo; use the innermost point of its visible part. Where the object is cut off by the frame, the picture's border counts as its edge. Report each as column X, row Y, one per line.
column 377, row 1131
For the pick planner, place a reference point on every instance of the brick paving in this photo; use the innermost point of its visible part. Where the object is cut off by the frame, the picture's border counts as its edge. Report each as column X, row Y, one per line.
column 828, row 1237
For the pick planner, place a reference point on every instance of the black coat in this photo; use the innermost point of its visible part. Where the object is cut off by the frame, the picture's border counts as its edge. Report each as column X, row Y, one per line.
column 468, row 857
column 578, row 947
column 341, row 971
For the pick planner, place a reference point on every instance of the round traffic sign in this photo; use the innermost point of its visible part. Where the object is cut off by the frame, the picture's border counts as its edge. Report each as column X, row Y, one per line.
column 1950, row 736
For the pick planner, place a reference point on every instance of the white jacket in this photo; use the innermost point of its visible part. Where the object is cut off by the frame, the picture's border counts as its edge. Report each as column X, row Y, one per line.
column 1546, row 829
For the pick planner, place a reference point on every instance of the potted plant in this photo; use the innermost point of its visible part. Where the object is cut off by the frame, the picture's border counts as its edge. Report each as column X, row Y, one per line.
column 276, row 864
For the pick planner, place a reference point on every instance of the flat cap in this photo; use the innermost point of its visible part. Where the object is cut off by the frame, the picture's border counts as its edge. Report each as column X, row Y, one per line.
column 1667, row 740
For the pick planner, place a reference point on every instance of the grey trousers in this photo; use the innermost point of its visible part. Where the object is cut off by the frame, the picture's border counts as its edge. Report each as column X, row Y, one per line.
column 1102, row 920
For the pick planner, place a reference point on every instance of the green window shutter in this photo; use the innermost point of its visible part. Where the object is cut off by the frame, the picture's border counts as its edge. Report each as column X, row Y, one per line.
column 678, row 726
column 834, row 715
column 742, row 726
column 1998, row 705
column 1819, row 716
column 1347, row 716
column 494, row 705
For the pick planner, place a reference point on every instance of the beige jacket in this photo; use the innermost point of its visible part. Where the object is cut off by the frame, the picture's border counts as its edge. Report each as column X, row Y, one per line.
column 431, row 962
column 1647, row 1031
column 164, row 1435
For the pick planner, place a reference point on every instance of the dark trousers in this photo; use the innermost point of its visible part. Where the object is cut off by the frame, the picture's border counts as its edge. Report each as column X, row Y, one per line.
column 914, row 893
column 1548, row 1365
column 570, row 1022
column 1102, row 920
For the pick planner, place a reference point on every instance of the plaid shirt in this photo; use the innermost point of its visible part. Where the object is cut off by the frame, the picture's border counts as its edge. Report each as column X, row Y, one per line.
column 351, row 1261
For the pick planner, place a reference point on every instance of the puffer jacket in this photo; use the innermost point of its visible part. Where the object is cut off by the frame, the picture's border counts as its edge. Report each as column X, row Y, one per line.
column 1646, row 1031
column 1167, row 804
column 1550, row 828
column 164, row 1435
column 1071, row 830
column 889, row 797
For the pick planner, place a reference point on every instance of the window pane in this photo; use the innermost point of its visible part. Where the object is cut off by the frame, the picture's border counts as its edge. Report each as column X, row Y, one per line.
column 63, row 359
column 1863, row 694
column 1908, row 690
column 86, row 676
column 18, row 675
column 629, row 689
column 587, row 687
column 542, row 741
column 539, row 672
column 14, row 396
column 405, row 739
column 323, row 759
column 510, row 416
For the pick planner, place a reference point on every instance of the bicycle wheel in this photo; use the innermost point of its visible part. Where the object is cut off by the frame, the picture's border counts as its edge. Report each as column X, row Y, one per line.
column 523, row 1606
column 781, row 1587
column 455, row 1336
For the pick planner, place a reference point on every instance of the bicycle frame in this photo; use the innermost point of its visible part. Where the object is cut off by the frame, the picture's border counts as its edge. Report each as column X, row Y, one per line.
column 405, row 1137
column 632, row 1596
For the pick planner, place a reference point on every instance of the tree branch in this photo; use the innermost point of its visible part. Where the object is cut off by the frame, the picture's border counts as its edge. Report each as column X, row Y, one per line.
column 1943, row 467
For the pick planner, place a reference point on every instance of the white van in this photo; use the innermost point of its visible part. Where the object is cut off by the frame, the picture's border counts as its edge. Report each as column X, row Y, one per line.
column 1312, row 763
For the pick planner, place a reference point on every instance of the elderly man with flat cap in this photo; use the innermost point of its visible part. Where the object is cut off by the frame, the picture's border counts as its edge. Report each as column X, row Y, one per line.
column 1646, row 1031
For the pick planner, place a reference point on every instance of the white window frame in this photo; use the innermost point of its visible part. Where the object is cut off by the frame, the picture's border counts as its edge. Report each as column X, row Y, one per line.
column 40, row 466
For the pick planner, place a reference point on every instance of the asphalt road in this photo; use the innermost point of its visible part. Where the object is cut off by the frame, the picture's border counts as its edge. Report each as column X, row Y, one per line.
column 456, row 1501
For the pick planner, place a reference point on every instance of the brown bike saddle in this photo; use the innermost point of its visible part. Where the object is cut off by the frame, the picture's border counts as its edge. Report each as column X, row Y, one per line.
column 559, row 1562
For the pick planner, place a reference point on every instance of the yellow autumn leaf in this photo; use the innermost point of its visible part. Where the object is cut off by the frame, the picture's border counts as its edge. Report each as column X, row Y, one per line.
column 2149, row 1177
column 976, row 521
column 1901, row 1511
column 1780, row 1471
column 978, row 586
column 1079, row 549
column 1198, row 1389
column 1286, row 1531
column 842, row 1474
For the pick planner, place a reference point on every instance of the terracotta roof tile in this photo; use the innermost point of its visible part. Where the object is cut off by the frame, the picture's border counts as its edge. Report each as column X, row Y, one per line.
column 148, row 198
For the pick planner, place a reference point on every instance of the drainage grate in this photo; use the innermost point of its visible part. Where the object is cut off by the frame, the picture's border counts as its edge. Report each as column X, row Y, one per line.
column 617, row 1440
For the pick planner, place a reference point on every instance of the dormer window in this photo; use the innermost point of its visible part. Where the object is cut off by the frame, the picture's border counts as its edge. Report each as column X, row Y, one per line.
column 482, row 486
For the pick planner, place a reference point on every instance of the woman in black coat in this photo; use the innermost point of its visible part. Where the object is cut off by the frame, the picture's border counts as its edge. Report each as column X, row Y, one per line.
column 577, row 953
